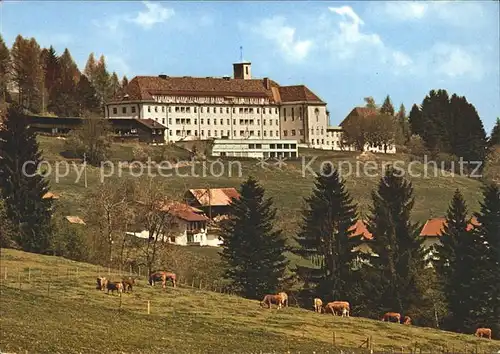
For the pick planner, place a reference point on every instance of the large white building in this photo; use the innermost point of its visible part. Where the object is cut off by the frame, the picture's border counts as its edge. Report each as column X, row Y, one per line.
column 238, row 107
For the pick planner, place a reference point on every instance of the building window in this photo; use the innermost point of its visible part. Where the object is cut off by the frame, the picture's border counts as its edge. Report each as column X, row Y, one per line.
column 208, row 133
column 221, row 110
column 115, row 110
column 188, row 109
column 284, row 113
column 258, row 121
column 133, row 109
column 177, row 109
column 222, row 122
column 242, row 133
column 228, row 133
column 271, row 133
column 208, row 121
column 246, row 69
column 195, row 133
column 196, row 121
column 234, row 121
column 163, row 109
column 163, row 121
column 169, row 120
column 258, row 132
column 169, row 109
column 293, row 132
column 312, row 131
column 277, row 133
column 277, row 122
column 201, row 109
column 124, row 110
column 241, row 110
column 293, row 114
column 258, row 110
column 285, row 132
column 202, row 133
column 177, row 132
column 276, row 110
column 156, row 109
column 195, row 110
column 301, row 132
column 234, row 132
column 149, row 109
column 215, row 132
column 234, row 110
column 322, row 141
column 227, row 110
column 170, row 132
column 265, row 133
column 228, row 122
column 201, row 120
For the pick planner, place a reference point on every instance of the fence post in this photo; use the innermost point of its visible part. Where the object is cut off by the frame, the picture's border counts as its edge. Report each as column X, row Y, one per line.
column 334, row 339
column 149, row 308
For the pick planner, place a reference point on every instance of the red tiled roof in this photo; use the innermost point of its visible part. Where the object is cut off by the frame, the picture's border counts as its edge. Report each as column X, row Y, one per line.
column 184, row 212
column 297, row 93
column 74, row 220
column 217, row 196
column 434, row 227
column 50, row 195
column 360, row 111
column 360, row 229
column 144, row 87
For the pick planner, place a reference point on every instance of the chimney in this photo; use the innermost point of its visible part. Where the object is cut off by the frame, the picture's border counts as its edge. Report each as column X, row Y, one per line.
column 267, row 84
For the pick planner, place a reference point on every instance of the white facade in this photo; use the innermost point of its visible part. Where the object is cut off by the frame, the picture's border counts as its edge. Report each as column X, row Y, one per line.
column 255, row 148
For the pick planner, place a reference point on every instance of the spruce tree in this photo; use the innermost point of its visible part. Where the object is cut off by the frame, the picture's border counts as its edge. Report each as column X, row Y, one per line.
column 253, row 249
column 101, row 81
column 114, row 85
column 488, row 232
column 495, row 134
column 21, row 187
column 4, row 69
column 455, row 266
column 90, row 68
column 404, row 125
column 387, row 107
column 398, row 245
column 86, row 97
column 325, row 237
column 416, row 121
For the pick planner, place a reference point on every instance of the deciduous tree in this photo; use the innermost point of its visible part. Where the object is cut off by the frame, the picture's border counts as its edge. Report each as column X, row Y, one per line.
column 4, row 69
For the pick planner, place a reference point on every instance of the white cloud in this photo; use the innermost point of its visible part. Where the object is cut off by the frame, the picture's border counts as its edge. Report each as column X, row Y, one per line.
column 284, row 37
column 456, row 61
column 154, row 13
column 457, row 13
column 117, row 63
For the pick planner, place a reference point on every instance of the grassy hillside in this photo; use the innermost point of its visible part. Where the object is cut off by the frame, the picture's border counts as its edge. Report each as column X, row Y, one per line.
column 58, row 310
column 287, row 186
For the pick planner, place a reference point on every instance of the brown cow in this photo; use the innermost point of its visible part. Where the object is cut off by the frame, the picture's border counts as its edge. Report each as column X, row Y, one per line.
column 318, row 305
column 163, row 276
column 272, row 299
column 341, row 307
column 483, row 332
column 284, row 296
column 392, row 317
column 407, row 320
column 114, row 286
column 128, row 283
column 101, row 283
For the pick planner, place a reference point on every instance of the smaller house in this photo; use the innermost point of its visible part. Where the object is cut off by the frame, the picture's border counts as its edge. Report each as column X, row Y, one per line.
column 51, row 195
column 188, row 227
column 360, row 229
column 213, row 201
column 432, row 230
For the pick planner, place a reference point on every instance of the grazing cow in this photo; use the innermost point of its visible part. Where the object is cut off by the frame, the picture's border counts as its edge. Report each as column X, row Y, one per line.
column 272, row 299
column 101, row 283
column 318, row 305
column 483, row 332
column 114, row 286
column 127, row 284
column 392, row 317
column 407, row 320
column 284, row 296
column 340, row 307
column 163, row 276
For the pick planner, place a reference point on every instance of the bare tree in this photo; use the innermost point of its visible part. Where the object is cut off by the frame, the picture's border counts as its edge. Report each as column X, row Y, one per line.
column 381, row 130
column 108, row 206
column 156, row 214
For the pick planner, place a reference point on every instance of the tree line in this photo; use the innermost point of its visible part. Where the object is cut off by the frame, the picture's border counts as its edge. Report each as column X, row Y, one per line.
column 459, row 292
column 444, row 128
column 45, row 82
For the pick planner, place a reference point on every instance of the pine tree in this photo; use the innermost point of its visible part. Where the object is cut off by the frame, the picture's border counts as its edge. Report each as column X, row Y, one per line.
column 398, row 245
column 495, row 134
column 253, row 250
column 114, row 85
column 416, row 121
column 404, row 125
column 90, row 68
column 370, row 102
column 436, row 120
column 455, row 264
column 27, row 72
column 488, row 232
column 86, row 97
column 52, row 76
column 387, row 107
column 21, row 187
column 101, row 81
column 65, row 100
column 325, row 237
column 4, row 69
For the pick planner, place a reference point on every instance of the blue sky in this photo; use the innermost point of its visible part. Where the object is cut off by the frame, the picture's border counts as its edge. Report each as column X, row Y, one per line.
column 343, row 51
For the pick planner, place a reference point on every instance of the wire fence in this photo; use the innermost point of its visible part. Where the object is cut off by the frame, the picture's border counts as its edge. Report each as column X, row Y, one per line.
column 49, row 281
